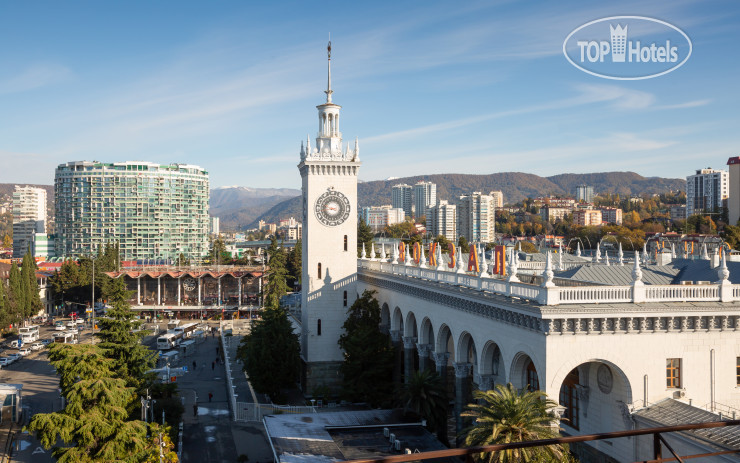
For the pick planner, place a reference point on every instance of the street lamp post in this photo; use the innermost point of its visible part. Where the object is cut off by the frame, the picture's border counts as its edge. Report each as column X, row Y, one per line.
column 92, row 336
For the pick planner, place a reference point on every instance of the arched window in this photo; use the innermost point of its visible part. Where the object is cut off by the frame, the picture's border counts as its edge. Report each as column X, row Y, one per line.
column 569, row 399
column 318, row 328
column 345, row 298
column 319, row 270
column 345, row 242
column 533, row 382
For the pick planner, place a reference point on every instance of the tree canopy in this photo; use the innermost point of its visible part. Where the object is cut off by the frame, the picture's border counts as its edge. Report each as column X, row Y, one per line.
column 368, row 355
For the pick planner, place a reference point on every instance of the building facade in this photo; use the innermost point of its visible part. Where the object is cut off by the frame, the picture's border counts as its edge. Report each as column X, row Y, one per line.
column 553, row 214
column 476, row 218
column 498, row 199
column 442, row 220
column 377, row 218
column 151, row 210
column 401, row 198
column 587, row 217
column 705, row 191
column 585, row 193
column 215, row 225
column 329, row 245
column 425, row 196
column 733, row 190
column 611, row 215
column 29, row 217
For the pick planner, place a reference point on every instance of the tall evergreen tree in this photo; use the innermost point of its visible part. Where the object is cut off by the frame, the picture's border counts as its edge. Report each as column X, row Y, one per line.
column 94, row 422
column 17, row 290
column 368, row 356
column 276, row 286
column 32, row 298
column 294, row 263
column 364, row 236
column 121, row 343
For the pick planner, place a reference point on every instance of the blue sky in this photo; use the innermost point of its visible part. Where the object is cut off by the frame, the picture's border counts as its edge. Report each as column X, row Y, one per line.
column 428, row 87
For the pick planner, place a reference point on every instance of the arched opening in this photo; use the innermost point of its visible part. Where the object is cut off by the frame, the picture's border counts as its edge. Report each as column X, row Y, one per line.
column 426, row 333
column 533, row 381
column 569, row 399
column 385, row 318
column 492, row 363
column 524, row 373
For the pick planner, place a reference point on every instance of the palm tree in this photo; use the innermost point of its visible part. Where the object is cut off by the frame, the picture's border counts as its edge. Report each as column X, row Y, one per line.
column 425, row 395
column 506, row 415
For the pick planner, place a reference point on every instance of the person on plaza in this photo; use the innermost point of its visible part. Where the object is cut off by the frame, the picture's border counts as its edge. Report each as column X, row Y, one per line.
column 210, row 396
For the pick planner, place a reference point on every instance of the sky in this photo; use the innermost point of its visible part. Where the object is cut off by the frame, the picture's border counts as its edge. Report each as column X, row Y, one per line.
column 428, row 87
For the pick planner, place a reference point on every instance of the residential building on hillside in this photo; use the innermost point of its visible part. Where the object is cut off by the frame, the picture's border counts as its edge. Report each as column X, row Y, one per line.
column 553, row 214
column 587, row 217
column 425, row 196
column 401, row 198
column 476, row 216
column 29, row 217
column 705, row 191
column 43, row 245
column 215, row 226
column 678, row 211
column 553, row 201
column 442, row 220
column 611, row 215
column 498, row 199
column 585, row 193
column 151, row 210
column 381, row 216
column 294, row 232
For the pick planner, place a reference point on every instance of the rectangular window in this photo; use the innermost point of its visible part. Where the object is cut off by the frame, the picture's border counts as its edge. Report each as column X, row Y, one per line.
column 345, row 296
column 738, row 371
column 673, row 373
column 345, row 245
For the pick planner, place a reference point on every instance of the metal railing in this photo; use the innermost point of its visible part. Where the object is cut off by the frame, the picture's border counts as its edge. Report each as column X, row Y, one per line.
column 658, row 443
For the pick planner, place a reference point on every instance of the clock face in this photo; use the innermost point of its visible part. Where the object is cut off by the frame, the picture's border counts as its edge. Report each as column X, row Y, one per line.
column 332, row 208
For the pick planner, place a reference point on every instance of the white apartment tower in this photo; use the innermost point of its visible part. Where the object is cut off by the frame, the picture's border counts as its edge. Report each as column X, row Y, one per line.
column 401, row 198
column 425, row 196
column 442, row 220
column 498, row 199
column 705, row 191
column 585, row 193
column 29, row 217
column 476, row 216
column 329, row 185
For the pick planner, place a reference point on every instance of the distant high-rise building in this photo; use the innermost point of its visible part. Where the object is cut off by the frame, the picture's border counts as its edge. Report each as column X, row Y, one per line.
column 29, row 217
column 705, row 191
column 215, row 226
column 476, row 218
column 401, row 198
column 425, row 196
column 498, row 199
column 733, row 191
column 151, row 210
column 377, row 218
column 585, row 193
column 442, row 220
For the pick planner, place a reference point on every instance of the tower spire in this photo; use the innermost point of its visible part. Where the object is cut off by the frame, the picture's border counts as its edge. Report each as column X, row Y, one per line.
column 328, row 83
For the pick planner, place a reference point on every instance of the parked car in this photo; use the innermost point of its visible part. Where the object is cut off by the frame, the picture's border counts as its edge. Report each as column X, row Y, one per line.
column 5, row 361
column 71, row 324
column 14, row 357
column 14, row 344
column 46, row 342
column 24, row 351
column 37, row 346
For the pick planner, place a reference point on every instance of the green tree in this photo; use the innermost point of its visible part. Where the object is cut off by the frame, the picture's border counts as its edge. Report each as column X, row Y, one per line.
column 17, row 286
column 443, row 243
column 94, row 422
column 294, row 262
column 121, row 342
column 276, row 286
column 68, row 283
column 731, row 234
column 270, row 353
column 462, row 244
column 527, row 247
column 364, row 236
column 7, row 242
column 8, row 309
column 425, row 395
column 505, row 415
column 368, row 356
column 218, row 253
column 31, row 299
column 182, row 260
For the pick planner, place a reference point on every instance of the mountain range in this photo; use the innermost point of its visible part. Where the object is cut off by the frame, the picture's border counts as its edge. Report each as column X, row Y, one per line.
column 516, row 186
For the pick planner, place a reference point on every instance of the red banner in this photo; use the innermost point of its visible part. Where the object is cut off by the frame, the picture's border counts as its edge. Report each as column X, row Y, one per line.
column 473, row 265
column 499, row 260
column 451, row 247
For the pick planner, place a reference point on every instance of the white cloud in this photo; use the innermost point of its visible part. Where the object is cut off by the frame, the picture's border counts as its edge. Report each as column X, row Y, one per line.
column 35, row 76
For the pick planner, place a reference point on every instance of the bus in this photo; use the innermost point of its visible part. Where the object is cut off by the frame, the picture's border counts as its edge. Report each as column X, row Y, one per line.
column 68, row 337
column 29, row 334
column 187, row 330
column 168, row 341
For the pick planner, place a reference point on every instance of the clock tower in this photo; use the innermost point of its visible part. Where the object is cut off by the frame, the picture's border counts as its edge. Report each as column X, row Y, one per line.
column 329, row 253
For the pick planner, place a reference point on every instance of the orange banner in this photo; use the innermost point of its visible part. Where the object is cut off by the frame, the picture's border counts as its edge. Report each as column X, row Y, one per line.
column 401, row 252
column 499, row 260
column 473, row 265
column 432, row 254
column 451, row 247
column 417, row 253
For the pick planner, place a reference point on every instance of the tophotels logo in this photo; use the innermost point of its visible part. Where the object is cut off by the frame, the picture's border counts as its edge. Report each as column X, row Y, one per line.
column 655, row 48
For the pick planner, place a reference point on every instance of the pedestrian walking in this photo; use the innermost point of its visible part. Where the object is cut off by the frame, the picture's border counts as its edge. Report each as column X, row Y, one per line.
column 213, row 366
column 195, row 410
column 210, row 396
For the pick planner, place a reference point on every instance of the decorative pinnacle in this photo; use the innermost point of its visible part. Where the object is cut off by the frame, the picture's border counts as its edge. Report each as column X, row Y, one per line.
column 328, row 84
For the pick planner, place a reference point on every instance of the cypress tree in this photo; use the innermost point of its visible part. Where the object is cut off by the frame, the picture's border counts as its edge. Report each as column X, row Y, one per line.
column 32, row 299
column 17, row 293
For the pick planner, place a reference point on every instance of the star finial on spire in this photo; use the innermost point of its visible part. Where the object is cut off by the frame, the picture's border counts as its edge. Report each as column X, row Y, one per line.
column 328, row 85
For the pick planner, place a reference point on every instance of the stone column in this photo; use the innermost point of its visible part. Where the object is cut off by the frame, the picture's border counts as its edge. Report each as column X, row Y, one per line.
column 219, row 290
column 138, row 290
column 409, row 344
column 179, row 283
column 159, row 291
column 484, row 382
column 424, row 351
column 461, row 392
column 396, row 341
column 440, row 359
column 239, row 303
column 200, row 292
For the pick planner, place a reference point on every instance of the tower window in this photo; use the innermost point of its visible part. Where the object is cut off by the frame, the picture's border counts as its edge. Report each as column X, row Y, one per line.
column 319, row 270
column 345, row 242
column 318, row 328
column 345, row 298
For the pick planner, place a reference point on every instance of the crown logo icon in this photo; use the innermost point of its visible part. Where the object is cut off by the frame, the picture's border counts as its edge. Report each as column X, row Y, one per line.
column 619, row 42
